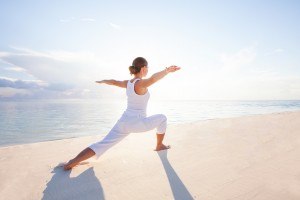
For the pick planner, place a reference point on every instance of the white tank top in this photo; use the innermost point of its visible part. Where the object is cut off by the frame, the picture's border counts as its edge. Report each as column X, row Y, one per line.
column 136, row 104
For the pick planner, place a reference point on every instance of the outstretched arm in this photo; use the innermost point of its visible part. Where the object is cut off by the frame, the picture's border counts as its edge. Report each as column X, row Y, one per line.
column 157, row 76
column 122, row 84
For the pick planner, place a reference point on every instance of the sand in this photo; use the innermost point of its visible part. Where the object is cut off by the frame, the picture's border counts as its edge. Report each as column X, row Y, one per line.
column 251, row 157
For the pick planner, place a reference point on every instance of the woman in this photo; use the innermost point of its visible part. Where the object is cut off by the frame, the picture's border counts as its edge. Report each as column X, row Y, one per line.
column 134, row 119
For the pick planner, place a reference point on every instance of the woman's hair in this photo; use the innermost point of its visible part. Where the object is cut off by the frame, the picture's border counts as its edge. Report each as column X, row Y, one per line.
column 137, row 64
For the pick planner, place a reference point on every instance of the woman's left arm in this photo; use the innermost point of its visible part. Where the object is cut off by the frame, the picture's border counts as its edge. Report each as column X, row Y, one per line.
column 157, row 76
column 122, row 84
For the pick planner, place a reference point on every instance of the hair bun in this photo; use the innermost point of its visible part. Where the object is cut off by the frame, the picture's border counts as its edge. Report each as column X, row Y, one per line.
column 132, row 69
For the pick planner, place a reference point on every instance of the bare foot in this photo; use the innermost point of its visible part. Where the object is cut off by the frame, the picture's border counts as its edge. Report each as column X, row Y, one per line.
column 70, row 165
column 162, row 147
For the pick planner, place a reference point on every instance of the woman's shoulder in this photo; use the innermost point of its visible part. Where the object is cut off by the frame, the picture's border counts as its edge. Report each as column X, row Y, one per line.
column 138, row 87
column 145, row 83
column 140, row 84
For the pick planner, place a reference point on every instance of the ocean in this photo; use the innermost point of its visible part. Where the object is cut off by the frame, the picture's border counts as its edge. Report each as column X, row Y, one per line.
column 32, row 121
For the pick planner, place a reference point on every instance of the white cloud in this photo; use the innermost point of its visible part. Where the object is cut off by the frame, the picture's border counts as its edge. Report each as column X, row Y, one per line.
column 55, row 66
column 87, row 20
column 278, row 50
column 65, row 73
column 239, row 59
column 238, row 76
column 67, row 20
column 64, row 20
column 7, row 92
column 21, row 51
column 16, row 69
column 275, row 51
column 115, row 26
column 21, row 84
column 73, row 19
column 2, row 54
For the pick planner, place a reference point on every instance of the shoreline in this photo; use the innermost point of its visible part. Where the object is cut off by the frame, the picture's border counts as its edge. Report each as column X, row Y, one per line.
column 169, row 125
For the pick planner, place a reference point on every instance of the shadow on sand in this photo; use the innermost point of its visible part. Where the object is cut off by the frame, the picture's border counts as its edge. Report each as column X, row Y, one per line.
column 84, row 186
column 178, row 188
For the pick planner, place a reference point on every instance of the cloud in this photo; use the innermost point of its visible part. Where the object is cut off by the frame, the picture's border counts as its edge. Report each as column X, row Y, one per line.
column 64, row 20
column 115, row 26
column 21, row 84
column 73, row 19
column 55, row 73
column 19, row 88
column 71, row 68
column 239, row 59
column 67, row 20
column 275, row 51
column 7, row 92
column 16, row 69
column 15, row 88
column 240, row 75
column 2, row 54
column 59, row 87
column 87, row 20
column 278, row 50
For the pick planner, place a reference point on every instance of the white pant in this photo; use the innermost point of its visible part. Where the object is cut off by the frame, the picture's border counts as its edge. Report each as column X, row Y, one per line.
column 126, row 125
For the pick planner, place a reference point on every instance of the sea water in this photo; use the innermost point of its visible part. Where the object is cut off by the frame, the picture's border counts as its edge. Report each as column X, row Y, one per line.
column 43, row 120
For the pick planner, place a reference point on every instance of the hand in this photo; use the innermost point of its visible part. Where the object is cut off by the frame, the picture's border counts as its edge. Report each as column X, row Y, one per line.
column 172, row 68
column 103, row 81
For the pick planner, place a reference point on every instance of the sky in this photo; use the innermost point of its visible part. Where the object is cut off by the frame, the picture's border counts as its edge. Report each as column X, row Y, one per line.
column 227, row 50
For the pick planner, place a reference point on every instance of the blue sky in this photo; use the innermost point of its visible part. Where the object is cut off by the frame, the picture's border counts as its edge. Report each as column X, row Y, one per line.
column 228, row 50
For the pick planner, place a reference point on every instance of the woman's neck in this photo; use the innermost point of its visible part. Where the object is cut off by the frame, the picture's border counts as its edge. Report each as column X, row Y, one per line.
column 137, row 76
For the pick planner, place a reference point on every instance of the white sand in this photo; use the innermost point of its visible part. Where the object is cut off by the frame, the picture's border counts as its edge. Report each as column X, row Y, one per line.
column 253, row 157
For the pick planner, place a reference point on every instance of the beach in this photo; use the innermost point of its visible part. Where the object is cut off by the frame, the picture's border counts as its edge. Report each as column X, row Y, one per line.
column 249, row 157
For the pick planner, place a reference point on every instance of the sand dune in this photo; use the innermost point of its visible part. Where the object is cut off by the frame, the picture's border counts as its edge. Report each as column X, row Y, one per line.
column 252, row 157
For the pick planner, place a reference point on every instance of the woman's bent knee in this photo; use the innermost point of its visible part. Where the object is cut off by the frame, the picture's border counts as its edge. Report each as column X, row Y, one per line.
column 163, row 117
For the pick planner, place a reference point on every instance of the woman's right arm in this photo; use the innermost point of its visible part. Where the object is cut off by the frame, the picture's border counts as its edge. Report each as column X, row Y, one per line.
column 157, row 76
column 122, row 84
